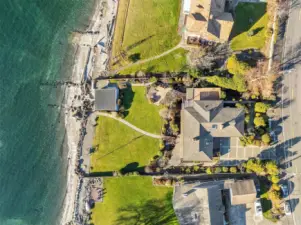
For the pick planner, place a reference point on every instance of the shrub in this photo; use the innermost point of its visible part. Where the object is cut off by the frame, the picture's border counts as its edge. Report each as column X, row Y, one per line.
column 259, row 122
column 209, row 170
column 161, row 144
column 174, row 127
column 272, row 168
column 235, row 66
column 195, row 73
column 236, row 83
column 274, row 195
column 261, row 107
column 158, row 170
column 274, row 179
column 255, row 165
column 196, row 168
column 188, row 170
column 276, row 187
column 233, row 169
column 266, row 138
column 168, row 183
column 225, row 169
column 249, row 171
column 217, row 170
column 223, row 95
column 242, row 142
column 153, row 79
column 247, row 118
column 257, row 143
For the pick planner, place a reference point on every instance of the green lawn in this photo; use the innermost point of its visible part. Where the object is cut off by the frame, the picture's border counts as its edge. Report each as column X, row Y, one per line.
column 140, row 112
column 118, row 146
column 145, row 28
column 134, row 200
column 250, row 16
column 173, row 62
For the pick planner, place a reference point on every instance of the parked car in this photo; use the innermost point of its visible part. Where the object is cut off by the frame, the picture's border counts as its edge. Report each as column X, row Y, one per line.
column 258, row 208
column 284, row 190
column 287, row 208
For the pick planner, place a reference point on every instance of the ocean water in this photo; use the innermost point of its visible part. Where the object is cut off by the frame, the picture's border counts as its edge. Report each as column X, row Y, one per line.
column 33, row 49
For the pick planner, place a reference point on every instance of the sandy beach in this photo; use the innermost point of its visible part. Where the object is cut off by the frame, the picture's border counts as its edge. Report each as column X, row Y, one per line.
column 91, row 57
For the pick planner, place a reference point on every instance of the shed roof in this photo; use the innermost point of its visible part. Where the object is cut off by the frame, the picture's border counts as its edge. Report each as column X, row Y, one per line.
column 106, row 99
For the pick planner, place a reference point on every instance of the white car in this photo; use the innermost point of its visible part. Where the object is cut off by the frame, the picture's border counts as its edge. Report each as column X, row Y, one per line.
column 287, row 208
column 284, row 190
column 258, row 208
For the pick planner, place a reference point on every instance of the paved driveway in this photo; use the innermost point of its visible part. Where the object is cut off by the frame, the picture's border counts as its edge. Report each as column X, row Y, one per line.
column 232, row 152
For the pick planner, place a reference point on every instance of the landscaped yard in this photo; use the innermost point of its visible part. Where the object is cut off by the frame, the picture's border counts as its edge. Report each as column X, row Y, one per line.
column 144, row 29
column 250, row 27
column 173, row 62
column 119, row 146
column 140, row 112
column 134, row 200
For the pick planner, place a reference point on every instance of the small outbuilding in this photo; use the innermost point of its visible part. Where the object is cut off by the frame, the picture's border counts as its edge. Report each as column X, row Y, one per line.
column 106, row 99
column 242, row 192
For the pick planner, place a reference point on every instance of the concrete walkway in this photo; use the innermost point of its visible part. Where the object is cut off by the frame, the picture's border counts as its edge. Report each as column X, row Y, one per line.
column 129, row 125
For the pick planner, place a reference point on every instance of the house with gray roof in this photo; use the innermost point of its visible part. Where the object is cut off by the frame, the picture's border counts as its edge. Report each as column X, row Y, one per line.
column 106, row 98
column 205, row 122
column 216, row 202
column 199, row 203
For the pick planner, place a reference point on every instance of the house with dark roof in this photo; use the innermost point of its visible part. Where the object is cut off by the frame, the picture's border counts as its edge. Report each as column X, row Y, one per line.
column 205, row 123
column 106, row 99
column 207, row 19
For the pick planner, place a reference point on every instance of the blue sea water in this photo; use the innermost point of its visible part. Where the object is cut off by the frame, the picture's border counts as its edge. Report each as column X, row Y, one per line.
column 33, row 49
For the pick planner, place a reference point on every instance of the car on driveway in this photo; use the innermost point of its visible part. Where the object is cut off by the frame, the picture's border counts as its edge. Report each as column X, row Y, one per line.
column 284, row 190
column 287, row 208
column 258, row 208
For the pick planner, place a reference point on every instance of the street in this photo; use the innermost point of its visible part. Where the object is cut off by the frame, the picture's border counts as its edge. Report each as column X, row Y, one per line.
column 290, row 105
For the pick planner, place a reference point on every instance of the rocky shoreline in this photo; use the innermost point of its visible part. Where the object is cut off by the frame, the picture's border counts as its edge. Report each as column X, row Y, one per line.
column 91, row 57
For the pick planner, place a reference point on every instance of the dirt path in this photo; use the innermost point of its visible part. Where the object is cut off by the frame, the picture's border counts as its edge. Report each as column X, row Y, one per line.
column 148, row 59
column 129, row 125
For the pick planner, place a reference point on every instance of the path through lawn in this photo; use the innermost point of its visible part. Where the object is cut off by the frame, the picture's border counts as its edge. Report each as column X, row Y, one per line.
column 140, row 112
column 134, row 200
column 145, row 28
column 120, row 147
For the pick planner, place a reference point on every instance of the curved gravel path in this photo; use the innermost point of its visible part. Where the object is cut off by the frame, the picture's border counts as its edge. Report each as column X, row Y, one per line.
column 129, row 125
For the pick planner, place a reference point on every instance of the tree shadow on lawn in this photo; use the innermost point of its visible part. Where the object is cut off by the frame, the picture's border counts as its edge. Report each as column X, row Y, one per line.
column 151, row 212
column 120, row 147
column 128, row 97
column 132, row 167
column 246, row 15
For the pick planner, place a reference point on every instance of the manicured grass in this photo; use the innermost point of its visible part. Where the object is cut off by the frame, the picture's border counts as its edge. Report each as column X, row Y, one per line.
column 146, row 28
column 134, row 200
column 120, row 147
column 173, row 62
column 250, row 16
column 140, row 112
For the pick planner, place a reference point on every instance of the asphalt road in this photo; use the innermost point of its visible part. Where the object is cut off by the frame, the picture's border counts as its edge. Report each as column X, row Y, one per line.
column 291, row 110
